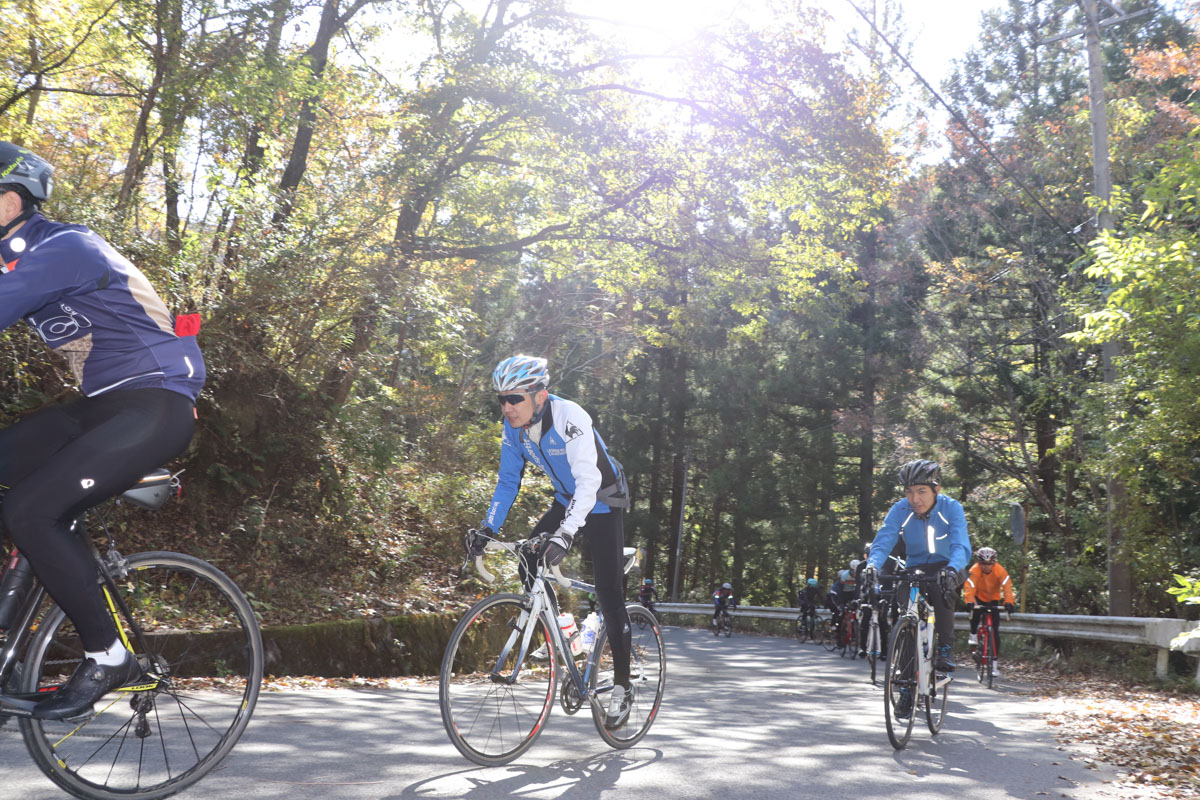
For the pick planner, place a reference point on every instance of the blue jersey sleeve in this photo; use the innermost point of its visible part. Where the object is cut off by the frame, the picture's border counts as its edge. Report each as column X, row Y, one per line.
column 888, row 534
column 508, row 483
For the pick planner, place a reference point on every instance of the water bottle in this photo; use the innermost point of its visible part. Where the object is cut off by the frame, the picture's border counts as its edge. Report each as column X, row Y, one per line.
column 566, row 622
column 591, row 626
column 13, row 588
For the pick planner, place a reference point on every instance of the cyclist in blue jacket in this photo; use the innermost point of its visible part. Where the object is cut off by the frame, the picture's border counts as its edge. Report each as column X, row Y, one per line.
column 139, row 374
column 590, row 496
column 934, row 529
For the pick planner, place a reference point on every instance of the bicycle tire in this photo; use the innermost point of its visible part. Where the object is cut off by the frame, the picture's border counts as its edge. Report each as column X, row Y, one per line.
column 828, row 634
column 991, row 656
column 494, row 702
column 801, row 630
column 204, row 655
column 830, row 640
column 901, row 676
column 727, row 624
column 873, row 646
column 979, row 654
column 935, row 707
column 647, row 677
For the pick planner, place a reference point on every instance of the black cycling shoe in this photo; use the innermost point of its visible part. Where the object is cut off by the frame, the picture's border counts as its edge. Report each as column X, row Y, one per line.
column 87, row 684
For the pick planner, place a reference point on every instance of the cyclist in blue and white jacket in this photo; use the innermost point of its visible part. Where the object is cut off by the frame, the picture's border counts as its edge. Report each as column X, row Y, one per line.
column 139, row 370
column 934, row 528
column 590, row 495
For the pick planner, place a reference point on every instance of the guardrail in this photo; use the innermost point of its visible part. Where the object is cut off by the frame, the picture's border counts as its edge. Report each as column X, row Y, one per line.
column 1145, row 631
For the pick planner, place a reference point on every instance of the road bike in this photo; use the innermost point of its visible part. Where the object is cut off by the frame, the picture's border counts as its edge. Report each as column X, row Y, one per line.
column 831, row 634
column 724, row 622
column 869, row 614
column 643, row 621
column 500, row 670
column 847, row 632
column 912, row 684
column 806, row 625
column 196, row 638
column 984, row 653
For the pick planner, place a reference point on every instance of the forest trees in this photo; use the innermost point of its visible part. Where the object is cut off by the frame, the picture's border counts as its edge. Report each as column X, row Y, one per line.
column 742, row 269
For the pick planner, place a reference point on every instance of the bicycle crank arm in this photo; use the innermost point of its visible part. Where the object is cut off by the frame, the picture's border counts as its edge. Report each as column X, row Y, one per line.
column 16, row 706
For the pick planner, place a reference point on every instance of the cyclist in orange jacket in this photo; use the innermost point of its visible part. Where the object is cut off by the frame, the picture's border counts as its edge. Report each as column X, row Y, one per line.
column 987, row 582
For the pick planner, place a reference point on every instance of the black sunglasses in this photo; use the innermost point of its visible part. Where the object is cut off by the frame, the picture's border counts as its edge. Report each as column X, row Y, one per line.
column 511, row 399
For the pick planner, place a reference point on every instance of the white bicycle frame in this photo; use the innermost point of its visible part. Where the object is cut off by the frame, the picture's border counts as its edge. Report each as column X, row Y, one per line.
column 543, row 604
column 926, row 642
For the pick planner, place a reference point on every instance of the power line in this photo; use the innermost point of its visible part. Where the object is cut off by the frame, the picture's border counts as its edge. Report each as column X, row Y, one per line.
column 961, row 120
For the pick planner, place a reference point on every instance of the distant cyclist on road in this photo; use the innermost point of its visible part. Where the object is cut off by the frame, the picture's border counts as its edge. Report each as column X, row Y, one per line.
column 590, row 496
column 722, row 599
column 808, row 598
column 647, row 594
column 934, row 529
column 987, row 582
column 843, row 591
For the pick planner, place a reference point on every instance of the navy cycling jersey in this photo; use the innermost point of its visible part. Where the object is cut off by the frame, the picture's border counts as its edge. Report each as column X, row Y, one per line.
column 92, row 305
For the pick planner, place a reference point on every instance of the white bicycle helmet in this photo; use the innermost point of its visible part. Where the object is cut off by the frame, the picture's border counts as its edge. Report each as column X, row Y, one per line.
column 520, row 374
column 986, row 555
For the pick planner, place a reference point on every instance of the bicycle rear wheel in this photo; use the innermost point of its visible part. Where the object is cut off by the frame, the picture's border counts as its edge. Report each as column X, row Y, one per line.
column 203, row 659
column 647, row 679
column 935, row 706
column 495, row 698
column 801, row 630
column 900, row 695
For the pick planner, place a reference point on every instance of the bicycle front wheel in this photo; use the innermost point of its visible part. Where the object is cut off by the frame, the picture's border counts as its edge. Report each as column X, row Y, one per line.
column 990, row 655
column 801, row 630
column 829, row 640
column 495, row 689
column 202, row 654
column 900, row 687
column 647, row 679
column 873, row 648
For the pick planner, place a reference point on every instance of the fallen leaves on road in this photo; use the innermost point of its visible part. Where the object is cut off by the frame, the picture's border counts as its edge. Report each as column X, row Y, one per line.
column 1152, row 735
column 286, row 683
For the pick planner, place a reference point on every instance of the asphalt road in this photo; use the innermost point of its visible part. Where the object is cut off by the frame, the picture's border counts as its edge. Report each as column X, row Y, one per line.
column 745, row 717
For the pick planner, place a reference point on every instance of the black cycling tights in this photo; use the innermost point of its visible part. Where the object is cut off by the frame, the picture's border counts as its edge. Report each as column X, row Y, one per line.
column 605, row 534
column 64, row 459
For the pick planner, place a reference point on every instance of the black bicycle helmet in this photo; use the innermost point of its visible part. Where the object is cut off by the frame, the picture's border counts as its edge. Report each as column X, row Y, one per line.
column 21, row 167
column 921, row 473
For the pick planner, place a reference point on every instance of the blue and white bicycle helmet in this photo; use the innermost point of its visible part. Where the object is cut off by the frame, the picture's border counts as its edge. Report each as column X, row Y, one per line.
column 812, row 581
column 520, row 374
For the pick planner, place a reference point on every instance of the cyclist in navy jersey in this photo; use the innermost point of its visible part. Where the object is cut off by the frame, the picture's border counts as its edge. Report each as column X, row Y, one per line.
column 139, row 371
column 590, row 496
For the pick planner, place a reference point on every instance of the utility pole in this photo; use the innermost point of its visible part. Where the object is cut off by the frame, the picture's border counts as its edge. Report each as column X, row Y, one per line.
column 679, row 532
column 1120, row 577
